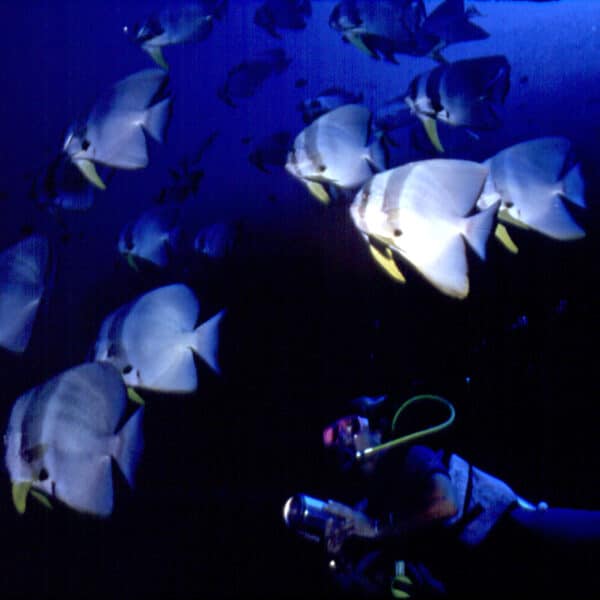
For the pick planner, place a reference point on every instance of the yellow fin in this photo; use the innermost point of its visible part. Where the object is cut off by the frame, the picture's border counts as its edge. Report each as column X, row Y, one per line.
column 19, row 495
column 504, row 238
column 386, row 261
column 42, row 499
column 134, row 396
column 432, row 132
column 88, row 168
column 318, row 191
column 504, row 215
column 157, row 56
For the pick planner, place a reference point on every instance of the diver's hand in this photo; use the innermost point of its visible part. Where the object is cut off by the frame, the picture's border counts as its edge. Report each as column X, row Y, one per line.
column 352, row 522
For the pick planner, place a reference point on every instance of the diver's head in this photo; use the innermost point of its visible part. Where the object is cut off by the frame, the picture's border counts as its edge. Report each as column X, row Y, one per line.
column 349, row 436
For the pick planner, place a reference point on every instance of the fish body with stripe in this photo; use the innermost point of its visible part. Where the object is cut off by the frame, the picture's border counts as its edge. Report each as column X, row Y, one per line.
column 327, row 100
column 245, row 79
column 379, row 29
column 113, row 132
column 421, row 212
column 25, row 274
column 63, row 435
column 188, row 22
column 466, row 93
column 152, row 238
column 334, row 150
column 532, row 179
column 153, row 339
column 272, row 15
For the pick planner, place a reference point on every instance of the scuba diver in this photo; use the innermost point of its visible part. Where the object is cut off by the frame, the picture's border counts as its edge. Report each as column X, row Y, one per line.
column 429, row 524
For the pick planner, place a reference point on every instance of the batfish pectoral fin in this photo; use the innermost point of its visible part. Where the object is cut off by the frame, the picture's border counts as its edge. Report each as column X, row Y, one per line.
column 385, row 260
column 436, row 54
column 134, row 396
column 432, row 132
column 88, row 169
column 357, row 41
column 157, row 56
column 131, row 262
column 504, row 238
column 19, row 495
column 42, row 499
column 318, row 191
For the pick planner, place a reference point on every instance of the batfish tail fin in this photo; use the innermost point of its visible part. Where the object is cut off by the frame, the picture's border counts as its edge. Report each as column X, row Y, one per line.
column 378, row 156
column 157, row 119
column 479, row 227
column 573, row 188
column 130, row 446
column 206, row 343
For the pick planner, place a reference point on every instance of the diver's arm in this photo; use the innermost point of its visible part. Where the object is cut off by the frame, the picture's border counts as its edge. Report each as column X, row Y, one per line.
column 439, row 506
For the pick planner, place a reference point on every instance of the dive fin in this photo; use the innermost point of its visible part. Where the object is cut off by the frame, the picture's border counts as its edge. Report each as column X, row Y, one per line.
column 19, row 495
column 386, row 261
column 432, row 132
column 504, row 238
column 88, row 169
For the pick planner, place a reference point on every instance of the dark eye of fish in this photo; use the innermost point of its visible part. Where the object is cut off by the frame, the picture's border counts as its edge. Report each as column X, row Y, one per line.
column 85, row 144
column 397, row 232
column 126, row 370
column 43, row 475
column 321, row 168
column 509, row 204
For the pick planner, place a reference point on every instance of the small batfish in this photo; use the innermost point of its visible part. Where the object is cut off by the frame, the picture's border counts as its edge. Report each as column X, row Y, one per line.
column 25, row 272
column 62, row 185
column 63, row 435
column 282, row 14
column 187, row 176
column 218, row 241
column 532, row 179
column 153, row 237
column 189, row 22
column 247, row 77
column 449, row 23
column 334, row 151
column 271, row 150
column 466, row 93
column 153, row 340
column 380, row 29
column 327, row 100
column 113, row 132
column 419, row 211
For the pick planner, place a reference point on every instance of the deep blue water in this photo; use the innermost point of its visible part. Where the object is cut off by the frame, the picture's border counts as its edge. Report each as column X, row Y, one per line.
column 311, row 323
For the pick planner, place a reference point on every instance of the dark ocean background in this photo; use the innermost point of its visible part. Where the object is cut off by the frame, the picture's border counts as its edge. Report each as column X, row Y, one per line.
column 311, row 321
